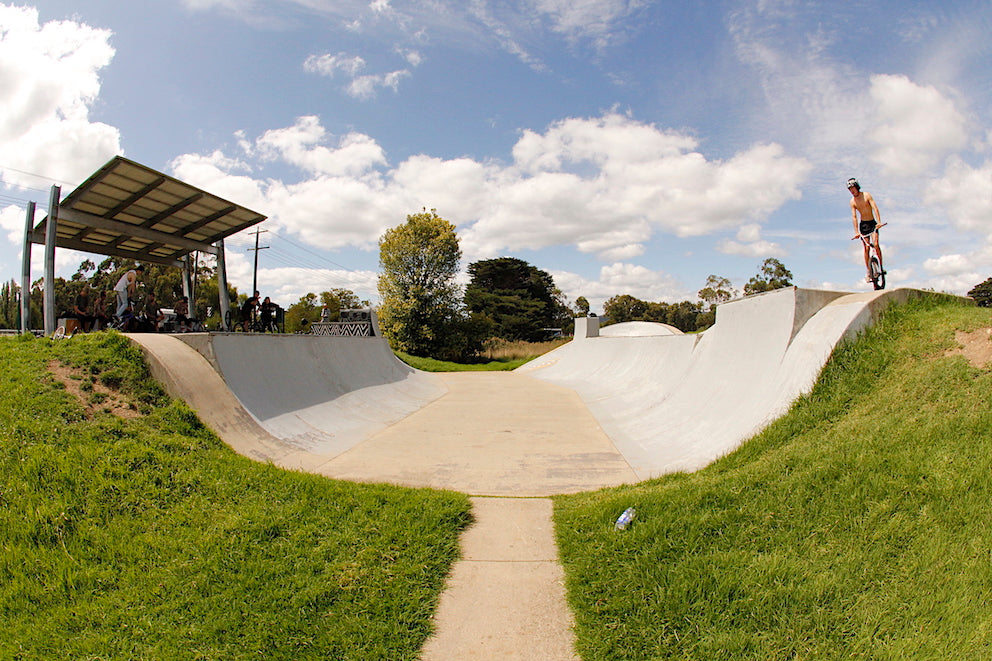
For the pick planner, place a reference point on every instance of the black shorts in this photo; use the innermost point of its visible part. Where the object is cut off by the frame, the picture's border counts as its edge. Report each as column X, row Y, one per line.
column 867, row 227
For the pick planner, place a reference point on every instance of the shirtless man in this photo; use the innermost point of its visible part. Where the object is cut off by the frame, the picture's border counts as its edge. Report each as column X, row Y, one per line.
column 863, row 205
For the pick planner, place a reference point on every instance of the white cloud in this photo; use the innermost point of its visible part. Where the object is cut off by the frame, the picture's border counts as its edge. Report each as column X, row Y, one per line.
column 948, row 265
column 966, row 193
column 329, row 65
column 622, row 278
column 596, row 20
column 750, row 244
column 49, row 78
column 301, row 145
column 12, row 221
column 363, row 87
column 603, row 185
column 915, row 126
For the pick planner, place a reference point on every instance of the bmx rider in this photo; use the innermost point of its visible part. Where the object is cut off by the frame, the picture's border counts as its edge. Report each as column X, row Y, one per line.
column 864, row 215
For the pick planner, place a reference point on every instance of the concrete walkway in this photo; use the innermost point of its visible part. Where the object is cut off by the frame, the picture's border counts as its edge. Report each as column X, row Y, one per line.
column 505, row 599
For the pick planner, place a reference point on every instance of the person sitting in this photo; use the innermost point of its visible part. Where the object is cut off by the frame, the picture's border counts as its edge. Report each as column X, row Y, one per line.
column 153, row 312
column 81, row 308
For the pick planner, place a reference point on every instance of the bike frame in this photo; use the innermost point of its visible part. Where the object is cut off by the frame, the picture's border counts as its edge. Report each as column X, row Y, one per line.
column 873, row 254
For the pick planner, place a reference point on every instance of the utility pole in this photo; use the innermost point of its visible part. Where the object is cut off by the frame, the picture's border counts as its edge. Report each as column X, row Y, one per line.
column 254, row 275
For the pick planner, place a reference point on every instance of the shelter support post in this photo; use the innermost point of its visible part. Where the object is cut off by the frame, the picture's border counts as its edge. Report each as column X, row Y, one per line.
column 49, row 298
column 186, row 278
column 225, row 303
column 26, row 270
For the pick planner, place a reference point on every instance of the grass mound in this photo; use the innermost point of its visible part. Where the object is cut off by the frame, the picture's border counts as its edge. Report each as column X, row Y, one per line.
column 148, row 538
column 857, row 526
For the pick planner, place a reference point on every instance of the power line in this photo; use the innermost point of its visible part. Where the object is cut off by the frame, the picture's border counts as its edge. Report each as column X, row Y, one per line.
column 307, row 250
column 35, row 174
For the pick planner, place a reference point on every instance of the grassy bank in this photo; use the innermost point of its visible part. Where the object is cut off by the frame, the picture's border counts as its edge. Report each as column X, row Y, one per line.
column 149, row 539
column 857, row 526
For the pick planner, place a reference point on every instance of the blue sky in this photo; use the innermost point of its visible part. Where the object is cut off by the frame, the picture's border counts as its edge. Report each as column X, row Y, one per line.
column 624, row 146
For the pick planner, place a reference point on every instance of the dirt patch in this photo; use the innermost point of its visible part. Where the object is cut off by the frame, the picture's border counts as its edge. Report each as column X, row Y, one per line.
column 976, row 347
column 92, row 395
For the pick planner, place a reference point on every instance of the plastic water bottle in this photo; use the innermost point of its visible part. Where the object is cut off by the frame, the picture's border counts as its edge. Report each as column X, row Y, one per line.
column 625, row 518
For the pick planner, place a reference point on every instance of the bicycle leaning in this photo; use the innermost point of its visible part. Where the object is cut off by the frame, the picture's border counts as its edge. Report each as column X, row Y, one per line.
column 875, row 271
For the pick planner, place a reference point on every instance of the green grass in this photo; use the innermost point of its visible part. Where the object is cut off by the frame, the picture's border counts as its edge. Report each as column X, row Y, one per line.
column 856, row 527
column 150, row 539
column 434, row 365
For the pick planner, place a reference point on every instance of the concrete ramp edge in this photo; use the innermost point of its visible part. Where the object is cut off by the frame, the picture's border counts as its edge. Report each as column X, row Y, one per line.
column 297, row 401
column 678, row 403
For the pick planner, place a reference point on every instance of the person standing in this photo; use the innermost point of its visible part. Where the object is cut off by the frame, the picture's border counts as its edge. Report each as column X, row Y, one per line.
column 127, row 288
column 248, row 313
column 864, row 215
column 182, row 314
column 100, row 317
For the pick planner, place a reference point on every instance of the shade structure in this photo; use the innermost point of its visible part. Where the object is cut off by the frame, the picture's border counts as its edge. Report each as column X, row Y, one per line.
column 128, row 210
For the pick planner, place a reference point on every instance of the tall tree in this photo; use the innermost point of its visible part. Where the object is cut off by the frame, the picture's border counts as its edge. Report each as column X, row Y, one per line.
column 772, row 275
column 420, row 299
column 519, row 298
column 717, row 290
column 582, row 304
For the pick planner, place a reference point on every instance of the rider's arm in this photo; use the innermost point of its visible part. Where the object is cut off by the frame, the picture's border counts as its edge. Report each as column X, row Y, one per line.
column 874, row 209
column 854, row 219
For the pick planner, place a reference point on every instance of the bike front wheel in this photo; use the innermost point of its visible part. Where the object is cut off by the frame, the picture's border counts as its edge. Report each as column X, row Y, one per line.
column 877, row 274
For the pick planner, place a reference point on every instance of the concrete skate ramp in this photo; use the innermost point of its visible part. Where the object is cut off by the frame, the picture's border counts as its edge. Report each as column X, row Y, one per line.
column 599, row 411
column 295, row 400
column 677, row 403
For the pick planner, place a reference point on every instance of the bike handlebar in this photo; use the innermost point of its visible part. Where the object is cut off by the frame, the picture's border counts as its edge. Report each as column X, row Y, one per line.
column 860, row 236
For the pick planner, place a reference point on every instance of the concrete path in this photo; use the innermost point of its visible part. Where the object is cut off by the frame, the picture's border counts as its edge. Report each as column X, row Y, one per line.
column 505, row 599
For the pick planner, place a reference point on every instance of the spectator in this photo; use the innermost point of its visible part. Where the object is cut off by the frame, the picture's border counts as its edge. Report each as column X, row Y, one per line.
column 182, row 314
column 153, row 312
column 99, row 311
column 81, row 308
column 266, row 312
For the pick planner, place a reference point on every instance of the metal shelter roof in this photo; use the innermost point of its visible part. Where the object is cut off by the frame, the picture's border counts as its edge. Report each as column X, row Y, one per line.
column 128, row 210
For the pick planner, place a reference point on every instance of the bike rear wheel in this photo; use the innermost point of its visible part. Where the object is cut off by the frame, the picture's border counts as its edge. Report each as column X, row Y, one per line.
column 877, row 274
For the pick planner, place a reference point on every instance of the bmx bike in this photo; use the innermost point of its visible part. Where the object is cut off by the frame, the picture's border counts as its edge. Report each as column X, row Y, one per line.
column 254, row 324
column 875, row 271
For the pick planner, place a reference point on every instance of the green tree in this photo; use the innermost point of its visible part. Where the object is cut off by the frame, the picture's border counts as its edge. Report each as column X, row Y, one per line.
column 582, row 303
column 772, row 275
column 304, row 312
column 10, row 312
column 683, row 316
column 624, row 308
column 420, row 300
column 982, row 294
column 717, row 290
column 519, row 298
